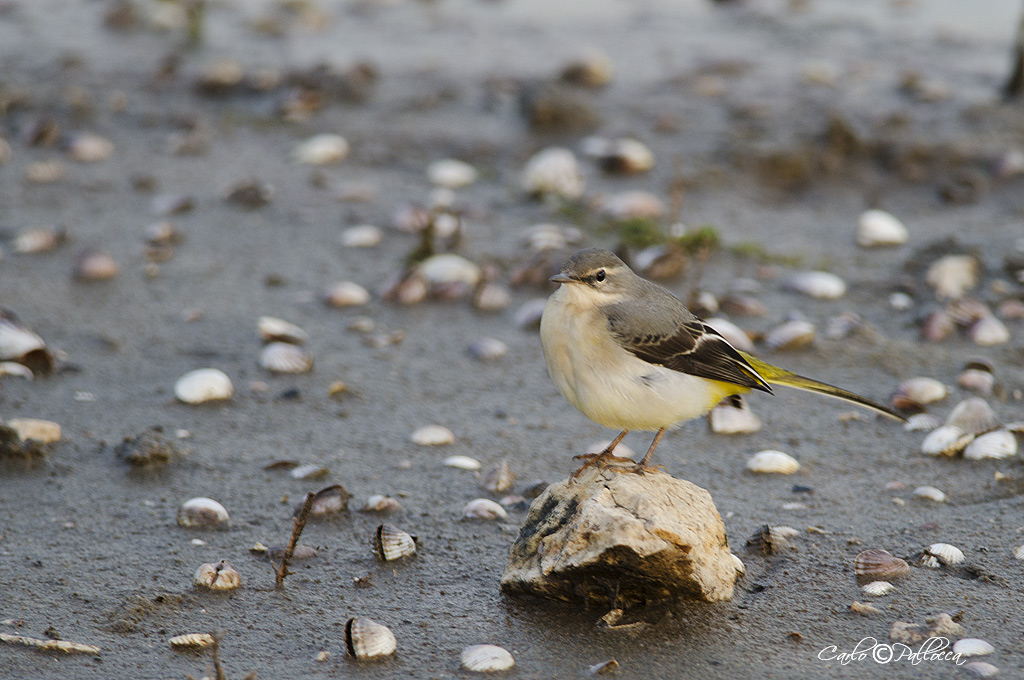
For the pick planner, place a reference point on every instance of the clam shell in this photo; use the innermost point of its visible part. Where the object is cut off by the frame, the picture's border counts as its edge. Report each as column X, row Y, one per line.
column 553, row 171
column 946, row 440
column 219, row 576
column 741, row 568
column 487, row 659
column 946, row 554
column 328, row 501
column 977, row 380
column 367, row 639
column 972, row 647
column 381, row 503
column 981, row 669
column 773, row 462
column 272, row 329
column 362, row 236
column 821, row 285
column 736, row 336
column 728, row 419
column 790, row 335
column 877, row 588
column 433, row 435
column 348, row 294
column 202, row 513
column 484, row 509
column 922, row 422
column 448, row 268
column 996, row 444
column 42, row 431
column 309, row 471
column 37, row 240
column 391, row 543
column 500, row 478
column 203, row 384
column 488, row 349
column 284, row 357
column 191, row 640
column 879, row 228
column 930, row 493
column 12, row 368
column 321, row 149
column 879, row 565
column 973, row 415
column 451, row 173
column 916, row 392
column 953, row 275
column 462, row 462
column 988, row 331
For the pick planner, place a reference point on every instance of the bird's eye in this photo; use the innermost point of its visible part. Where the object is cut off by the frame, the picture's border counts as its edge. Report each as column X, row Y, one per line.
column 599, row 276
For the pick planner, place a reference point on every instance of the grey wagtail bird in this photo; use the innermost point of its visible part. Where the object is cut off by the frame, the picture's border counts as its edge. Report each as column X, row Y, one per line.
column 629, row 355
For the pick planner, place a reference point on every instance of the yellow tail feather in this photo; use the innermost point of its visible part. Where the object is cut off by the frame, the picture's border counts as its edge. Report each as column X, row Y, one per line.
column 774, row 375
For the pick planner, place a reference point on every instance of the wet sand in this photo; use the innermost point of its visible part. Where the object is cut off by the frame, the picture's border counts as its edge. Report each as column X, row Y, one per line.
column 89, row 549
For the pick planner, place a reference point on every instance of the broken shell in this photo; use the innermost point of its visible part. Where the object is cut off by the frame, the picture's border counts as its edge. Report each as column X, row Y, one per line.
column 367, row 639
column 879, row 565
column 988, row 331
column 877, row 588
column 191, row 640
column 930, row 493
column 283, row 357
column 328, row 501
column 391, row 543
column 864, row 609
column 880, row 228
column 37, row 240
column 499, row 479
column 362, row 236
column 380, row 503
column 996, row 444
column 728, row 419
column 451, row 173
column 609, row 666
column 487, row 659
column 953, row 275
column 973, row 415
column 916, row 392
column 42, row 431
column 463, row 463
column 202, row 513
column 433, row 435
column 922, row 422
column 972, row 647
column 488, row 349
column 309, row 471
column 553, row 171
column 947, row 440
column 20, row 344
column 203, row 384
column 273, row 329
column 483, row 508
column 219, row 576
column 736, row 336
column 89, row 148
column 95, row 265
column 773, row 462
column 946, row 554
column 821, row 285
column 790, row 335
column 346, row 294
column 321, row 149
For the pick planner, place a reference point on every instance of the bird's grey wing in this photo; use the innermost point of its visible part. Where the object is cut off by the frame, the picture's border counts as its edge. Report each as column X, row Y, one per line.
column 681, row 342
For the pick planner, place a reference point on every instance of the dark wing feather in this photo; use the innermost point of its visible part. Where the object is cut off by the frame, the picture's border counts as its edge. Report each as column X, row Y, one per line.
column 696, row 349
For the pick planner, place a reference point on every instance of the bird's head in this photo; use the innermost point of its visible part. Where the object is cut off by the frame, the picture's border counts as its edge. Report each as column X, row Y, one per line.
column 596, row 274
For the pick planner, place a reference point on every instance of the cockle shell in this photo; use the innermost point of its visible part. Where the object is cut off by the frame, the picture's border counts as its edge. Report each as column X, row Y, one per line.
column 981, row 669
column 879, row 565
column 219, row 576
column 877, row 588
column 1018, row 552
column 879, row 228
column 433, row 435
column 362, row 236
column 328, row 501
column 995, row 444
column 953, row 275
column 284, row 357
column 790, row 335
column 347, row 294
column 391, row 543
column 487, row 659
column 529, row 314
column 773, row 462
column 272, row 329
column 202, row 513
column 973, row 415
column 203, row 384
column 946, row 553
column 492, row 297
column 972, row 647
column 462, row 463
column 977, row 380
column 451, row 173
column 591, row 69
column 728, row 419
column 484, row 509
column 367, row 639
column 191, row 640
column 947, row 440
column 500, row 478
column 821, row 285
column 322, row 149
column 553, row 171
column 916, row 392
column 542, row 237
column 381, row 503
column 930, row 493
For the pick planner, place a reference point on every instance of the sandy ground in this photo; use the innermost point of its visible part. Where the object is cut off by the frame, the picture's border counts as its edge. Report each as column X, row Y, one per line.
column 89, row 549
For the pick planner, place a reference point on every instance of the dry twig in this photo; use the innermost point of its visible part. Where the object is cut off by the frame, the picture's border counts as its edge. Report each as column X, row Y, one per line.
column 299, row 523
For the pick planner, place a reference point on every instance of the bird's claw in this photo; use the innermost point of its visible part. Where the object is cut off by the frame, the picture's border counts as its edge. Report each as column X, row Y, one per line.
column 602, row 460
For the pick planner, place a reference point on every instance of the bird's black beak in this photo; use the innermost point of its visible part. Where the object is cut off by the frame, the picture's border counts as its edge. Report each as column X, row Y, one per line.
column 562, row 278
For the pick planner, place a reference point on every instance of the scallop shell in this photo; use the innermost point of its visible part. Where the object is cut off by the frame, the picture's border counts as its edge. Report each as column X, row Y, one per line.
column 879, row 228
column 219, row 576
column 946, row 554
column 391, row 543
column 347, row 294
column 451, row 173
column 89, row 148
column 773, row 462
column 367, row 639
column 362, row 236
column 42, row 431
column 988, row 331
column 284, row 357
column 879, row 565
column 433, row 435
column 191, row 640
column 96, row 265
column 953, row 275
column 996, row 444
column 483, row 508
column 553, row 171
column 1018, row 552
column 487, row 659
column 916, row 392
column 877, row 588
column 488, row 349
column 203, row 384
column 328, row 501
column 462, row 462
column 37, row 240
column 972, row 647
column 273, row 329
column 321, row 149
column 947, row 440
column 728, row 419
column 202, row 513
column 973, row 415
column 381, row 503
column 736, row 336
column 821, row 285
column 499, row 479
column 930, row 493
column 790, row 335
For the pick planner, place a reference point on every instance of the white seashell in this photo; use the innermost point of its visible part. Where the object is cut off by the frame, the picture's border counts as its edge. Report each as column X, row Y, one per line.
column 946, row 553
column 773, row 462
column 727, row 419
column 916, row 392
column 901, row 302
column 930, row 493
column 219, row 576
column 879, row 565
column 89, row 148
column 203, row 384
column 328, row 501
column 487, row 659
column 736, row 336
column 625, row 155
column 346, row 294
column 362, row 236
column 922, row 422
column 381, row 503
column 202, row 513
column 553, row 171
column 273, row 329
column 821, row 285
column 194, row 640
column 15, row 369
column 981, row 669
column 930, row 562
column 284, row 357
column 952, row 276
column 463, row 462
column 1018, row 552
column 433, row 435
column 321, row 149
column 996, row 444
column 37, row 240
column 488, row 349
column 790, row 335
column 492, row 297
column 880, row 228
column 972, row 647
column 483, row 508
column 42, row 431
column 96, row 265
column 21, row 344
column 947, row 440
column 542, row 237
column 528, row 315
column 500, row 478
column 367, row 639
column 973, row 415
column 741, row 568
column 451, row 173
column 391, row 543
column 977, row 380
column 309, row 471
column 629, row 205
column 448, row 268
column 988, row 331
column 877, row 588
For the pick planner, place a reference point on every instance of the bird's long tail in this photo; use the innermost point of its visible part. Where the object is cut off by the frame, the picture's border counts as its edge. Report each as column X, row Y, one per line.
column 774, row 375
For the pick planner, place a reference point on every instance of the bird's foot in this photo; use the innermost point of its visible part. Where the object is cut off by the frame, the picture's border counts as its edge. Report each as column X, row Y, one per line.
column 602, row 460
column 641, row 468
